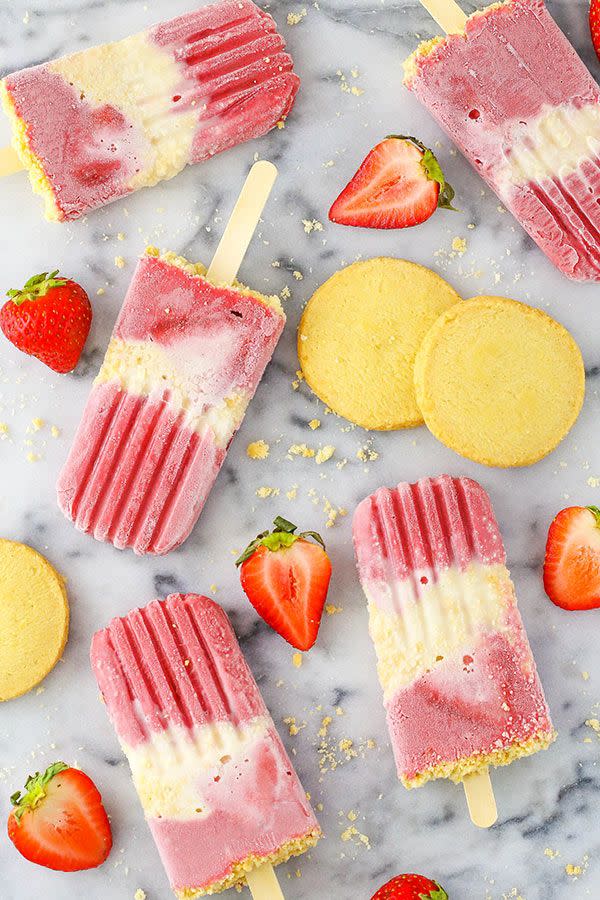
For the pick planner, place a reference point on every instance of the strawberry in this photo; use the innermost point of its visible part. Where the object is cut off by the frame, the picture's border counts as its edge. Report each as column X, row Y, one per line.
column 60, row 822
column 399, row 184
column 49, row 318
column 410, row 887
column 572, row 563
column 286, row 576
column 595, row 25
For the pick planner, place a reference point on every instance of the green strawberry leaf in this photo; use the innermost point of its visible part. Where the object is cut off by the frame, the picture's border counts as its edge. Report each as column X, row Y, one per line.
column 435, row 895
column 37, row 286
column 282, row 537
column 433, row 171
column 35, row 789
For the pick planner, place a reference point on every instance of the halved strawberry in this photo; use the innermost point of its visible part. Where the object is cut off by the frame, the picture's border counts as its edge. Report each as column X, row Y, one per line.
column 572, row 563
column 595, row 25
column 286, row 577
column 399, row 184
column 410, row 887
column 60, row 822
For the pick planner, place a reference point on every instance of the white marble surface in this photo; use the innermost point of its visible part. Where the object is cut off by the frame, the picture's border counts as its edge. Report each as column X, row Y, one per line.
column 547, row 802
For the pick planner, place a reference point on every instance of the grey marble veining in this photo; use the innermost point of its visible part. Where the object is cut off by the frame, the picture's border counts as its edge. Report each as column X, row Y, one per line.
column 546, row 803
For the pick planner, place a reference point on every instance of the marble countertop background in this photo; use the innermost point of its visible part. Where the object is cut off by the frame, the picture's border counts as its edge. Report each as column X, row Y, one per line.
column 349, row 54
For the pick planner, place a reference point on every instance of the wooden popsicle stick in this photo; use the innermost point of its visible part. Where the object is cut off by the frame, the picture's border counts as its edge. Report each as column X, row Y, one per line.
column 480, row 798
column 9, row 162
column 263, row 883
column 448, row 15
column 242, row 224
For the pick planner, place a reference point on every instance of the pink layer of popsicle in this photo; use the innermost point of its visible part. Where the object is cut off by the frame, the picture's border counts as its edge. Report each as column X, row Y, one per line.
column 177, row 663
column 137, row 474
column 482, row 701
column 234, row 72
column 514, row 63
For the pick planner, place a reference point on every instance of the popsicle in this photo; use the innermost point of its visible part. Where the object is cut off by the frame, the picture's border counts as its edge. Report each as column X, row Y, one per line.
column 512, row 93
column 96, row 125
column 460, row 685
column 217, row 787
column 186, row 356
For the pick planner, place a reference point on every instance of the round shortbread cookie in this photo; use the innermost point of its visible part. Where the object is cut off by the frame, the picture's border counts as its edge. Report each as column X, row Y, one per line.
column 34, row 618
column 499, row 382
column 359, row 336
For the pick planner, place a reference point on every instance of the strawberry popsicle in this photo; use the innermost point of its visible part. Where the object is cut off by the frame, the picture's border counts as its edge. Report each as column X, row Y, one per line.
column 460, row 684
column 96, row 125
column 217, row 787
column 184, row 361
column 514, row 96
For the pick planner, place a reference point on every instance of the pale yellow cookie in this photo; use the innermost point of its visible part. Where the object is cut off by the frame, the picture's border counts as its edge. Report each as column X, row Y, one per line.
column 34, row 618
column 499, row 382
column 359, row 336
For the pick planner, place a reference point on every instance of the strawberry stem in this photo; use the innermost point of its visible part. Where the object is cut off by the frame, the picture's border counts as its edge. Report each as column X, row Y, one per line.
column 432, row 170
column 37, row 286
column 282, row 536
column 35, row 789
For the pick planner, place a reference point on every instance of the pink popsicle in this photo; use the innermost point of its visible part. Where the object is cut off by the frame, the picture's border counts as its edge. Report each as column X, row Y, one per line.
column 218, row 789
column 183, row 363
column 460, row 684
column 96, row 125
column 515, row 97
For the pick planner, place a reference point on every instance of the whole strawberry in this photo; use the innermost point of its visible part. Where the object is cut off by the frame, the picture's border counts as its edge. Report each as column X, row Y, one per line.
column 410, row 887
column 49, row 318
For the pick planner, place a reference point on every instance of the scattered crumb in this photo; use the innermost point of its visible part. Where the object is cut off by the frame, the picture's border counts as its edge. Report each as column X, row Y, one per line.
column 296, row 18
column 264, row 492
column 572, row 870
column 139, row 895
column 312, row 225
column 100, row 292
column 4, row 429
column 459, row 245
column 285, row 293
column 353, row 832
column 551, row 854
column 119, row 262
column 331, row 610
column 366, row 454
column 257, row 450
column 301, row 450
column 297, row 660
column 33, row 457
column 585, row 676
column 37, row 424
column 292, row 493
column 593, row 482
column 314, row 424
column 120, row 236
column 594, row 724
column 55, row 431
column 324, row 454
column 297, row 275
